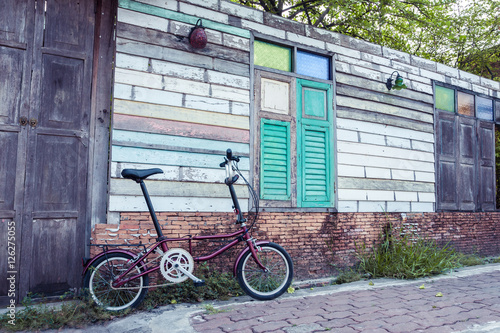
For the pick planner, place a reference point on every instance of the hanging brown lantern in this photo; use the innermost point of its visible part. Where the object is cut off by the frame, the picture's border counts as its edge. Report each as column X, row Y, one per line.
column 198, row 36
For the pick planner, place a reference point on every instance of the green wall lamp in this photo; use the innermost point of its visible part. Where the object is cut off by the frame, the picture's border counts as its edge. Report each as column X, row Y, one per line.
column 398, row 84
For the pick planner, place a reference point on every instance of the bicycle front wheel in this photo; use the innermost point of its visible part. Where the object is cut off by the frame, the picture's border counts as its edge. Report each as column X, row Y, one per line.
column 269, row 284
column 100, row 275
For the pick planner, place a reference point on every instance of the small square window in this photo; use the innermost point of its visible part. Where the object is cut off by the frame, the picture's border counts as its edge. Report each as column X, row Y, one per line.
column 465, row 104
column 314, row 65
column 272, row 56
column 445, row 99
column 484, row 108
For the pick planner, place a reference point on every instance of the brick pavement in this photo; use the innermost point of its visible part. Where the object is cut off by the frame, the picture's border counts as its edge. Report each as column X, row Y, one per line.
column 467, row 300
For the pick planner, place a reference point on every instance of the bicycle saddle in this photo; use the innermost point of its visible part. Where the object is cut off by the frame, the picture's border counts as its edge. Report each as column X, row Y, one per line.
column 138, row 174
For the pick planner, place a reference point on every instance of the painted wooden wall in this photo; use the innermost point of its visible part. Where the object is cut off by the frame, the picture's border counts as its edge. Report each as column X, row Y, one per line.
column 179, row 109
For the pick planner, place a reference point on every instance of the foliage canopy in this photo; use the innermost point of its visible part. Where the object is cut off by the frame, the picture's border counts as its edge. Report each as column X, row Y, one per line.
column 460, row 33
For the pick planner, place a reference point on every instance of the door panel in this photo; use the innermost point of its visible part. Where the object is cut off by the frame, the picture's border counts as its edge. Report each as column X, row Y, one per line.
column 11, row 80
column 13, row 21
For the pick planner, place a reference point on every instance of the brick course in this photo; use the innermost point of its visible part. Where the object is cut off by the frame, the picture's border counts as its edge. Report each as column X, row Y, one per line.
column 315, row 241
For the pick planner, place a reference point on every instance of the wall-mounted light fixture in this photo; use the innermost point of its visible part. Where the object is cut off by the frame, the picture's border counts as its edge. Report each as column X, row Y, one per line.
column 398, row 84
column 197, row 36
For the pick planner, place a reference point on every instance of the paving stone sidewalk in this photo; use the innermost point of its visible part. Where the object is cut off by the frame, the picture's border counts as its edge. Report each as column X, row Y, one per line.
column 469, row 303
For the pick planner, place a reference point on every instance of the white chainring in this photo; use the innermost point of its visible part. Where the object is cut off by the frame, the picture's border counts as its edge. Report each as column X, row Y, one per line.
column 172, row 259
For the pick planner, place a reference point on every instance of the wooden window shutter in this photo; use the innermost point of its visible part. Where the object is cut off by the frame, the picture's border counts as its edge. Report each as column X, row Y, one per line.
column 446, row 147
column 486, row 166
column 315, row 185
column 275, row 160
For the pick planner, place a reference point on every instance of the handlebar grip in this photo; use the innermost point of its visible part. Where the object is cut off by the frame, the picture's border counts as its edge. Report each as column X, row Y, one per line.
column 229, row 154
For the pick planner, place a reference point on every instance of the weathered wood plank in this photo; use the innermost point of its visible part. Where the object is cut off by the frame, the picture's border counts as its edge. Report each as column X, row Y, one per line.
column 176, row 189
column 154, row 156
column 165, row 13
column 387, row 185
column 173, row 204
column 399, row 101
column 140, row 94
column 171, row 41
column 177, row 173
column 141, row 139
column 383, row 119
column 378, row 86
column 369, row 105
column 383, row 162
column 181, row 114
column 161, row 126
column 384, row 151
column 387, row 130
column 141, row 19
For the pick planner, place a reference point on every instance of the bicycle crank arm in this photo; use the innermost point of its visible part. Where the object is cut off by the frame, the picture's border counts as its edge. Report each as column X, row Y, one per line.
column 197, row 282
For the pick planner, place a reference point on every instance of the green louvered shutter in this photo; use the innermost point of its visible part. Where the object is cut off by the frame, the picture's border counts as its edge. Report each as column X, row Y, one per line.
column 275, row 160
column 315, row 185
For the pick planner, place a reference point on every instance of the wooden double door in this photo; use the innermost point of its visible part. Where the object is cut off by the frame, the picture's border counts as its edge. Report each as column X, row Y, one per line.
column 46, row 64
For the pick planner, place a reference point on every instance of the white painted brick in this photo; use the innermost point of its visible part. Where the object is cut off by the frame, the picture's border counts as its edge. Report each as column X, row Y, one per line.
column 398, row 207
column 425, row 88
column 348, row 206
column 396, row 55
column 376, row 59
column 372, row 138
column 354, row 61
column 378, row 173
column 131, row 62
column 426, row 197
column 432, row 75
column 422, row 207
column 380, row 195
column 406, row 196
column 305, row 40
column 425, row 176
column 343, row 50
column 447, row 70
column 469, row 77
column 264, row 29
column 213, row 4
column 167, row 4
column 203, row 13
column 342, row 67
column 206, row 104
column 345, row 135
column 403, row 174
column 349, row 194
column 241, row 109
column 230, row 93
column 405, row 68
column 372, row 206
column 424, row 146
column 350, row 171
column 419, row 79
column 177, row 70
column 242, row 11
column 490, row 83
column 143, row 20
column 236, row 42
column 228, row 80
column 423, row 63
column 398, row 142
column 461, row 83
column 323, row 34
column 366, row 73
column 480, row 89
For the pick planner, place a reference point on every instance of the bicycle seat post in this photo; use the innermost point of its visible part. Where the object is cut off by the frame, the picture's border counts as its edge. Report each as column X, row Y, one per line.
column 151, row 210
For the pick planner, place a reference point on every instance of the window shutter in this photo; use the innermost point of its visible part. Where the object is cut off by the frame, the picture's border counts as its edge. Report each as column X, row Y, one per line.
column 486, row 138
column 447, row 161
column 466, row 173
column 275, row 160
column 315, row 187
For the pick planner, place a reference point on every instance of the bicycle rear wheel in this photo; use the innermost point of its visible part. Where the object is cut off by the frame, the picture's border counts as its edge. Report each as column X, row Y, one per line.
column 265, row 285
column 100, row 275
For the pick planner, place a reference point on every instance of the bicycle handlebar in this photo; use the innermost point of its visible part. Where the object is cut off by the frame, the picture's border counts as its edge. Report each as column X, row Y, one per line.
column 229, row 157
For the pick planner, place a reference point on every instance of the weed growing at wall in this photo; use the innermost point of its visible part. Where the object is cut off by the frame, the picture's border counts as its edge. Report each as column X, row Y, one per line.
column 406, row 256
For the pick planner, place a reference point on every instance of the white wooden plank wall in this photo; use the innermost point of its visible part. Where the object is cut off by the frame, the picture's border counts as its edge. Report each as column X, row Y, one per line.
column 178, row 109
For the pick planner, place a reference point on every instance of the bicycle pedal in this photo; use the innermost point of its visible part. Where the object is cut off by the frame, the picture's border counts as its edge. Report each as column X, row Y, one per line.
column 200, row 283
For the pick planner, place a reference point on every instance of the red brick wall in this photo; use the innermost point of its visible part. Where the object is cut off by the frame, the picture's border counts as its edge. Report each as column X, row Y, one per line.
column 316, row 241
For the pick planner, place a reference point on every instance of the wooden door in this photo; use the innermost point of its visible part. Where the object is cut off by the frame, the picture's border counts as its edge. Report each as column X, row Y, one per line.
column 52, row 153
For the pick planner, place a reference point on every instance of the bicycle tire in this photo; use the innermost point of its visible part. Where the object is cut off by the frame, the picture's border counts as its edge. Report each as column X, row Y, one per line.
column 265, row 285
column 97, row 282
